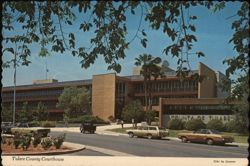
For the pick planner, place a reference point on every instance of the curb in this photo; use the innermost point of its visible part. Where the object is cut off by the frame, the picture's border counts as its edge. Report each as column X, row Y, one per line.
column 112, row 134
column 169, row 138
column 75, row 148
column 233, row 144
column 108, row 151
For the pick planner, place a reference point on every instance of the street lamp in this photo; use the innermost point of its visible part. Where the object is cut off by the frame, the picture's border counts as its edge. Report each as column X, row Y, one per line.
column 14, row 104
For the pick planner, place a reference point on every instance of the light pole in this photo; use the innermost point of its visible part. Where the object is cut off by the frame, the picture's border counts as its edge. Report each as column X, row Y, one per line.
column 14, row 104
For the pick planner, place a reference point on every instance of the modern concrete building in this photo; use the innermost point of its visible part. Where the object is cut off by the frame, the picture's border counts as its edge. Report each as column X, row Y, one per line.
column 171, row 97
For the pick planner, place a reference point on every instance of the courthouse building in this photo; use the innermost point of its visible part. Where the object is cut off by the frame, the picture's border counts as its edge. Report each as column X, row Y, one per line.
column 171, row 97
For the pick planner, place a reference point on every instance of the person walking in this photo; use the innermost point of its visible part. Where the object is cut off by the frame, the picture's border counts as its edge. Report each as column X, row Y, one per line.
column 122, row 123
column 133, row 122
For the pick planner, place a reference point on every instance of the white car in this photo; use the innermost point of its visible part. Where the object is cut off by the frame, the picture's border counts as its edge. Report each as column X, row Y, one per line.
column 148, row 131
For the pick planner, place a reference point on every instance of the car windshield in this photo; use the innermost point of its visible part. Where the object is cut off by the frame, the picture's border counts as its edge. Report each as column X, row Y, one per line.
column 215, row 132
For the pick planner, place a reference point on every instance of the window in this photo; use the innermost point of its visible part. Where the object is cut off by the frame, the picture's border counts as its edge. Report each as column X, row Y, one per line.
column 139, row 128
column 203, row 131
column 198, row 132
column 152, row 128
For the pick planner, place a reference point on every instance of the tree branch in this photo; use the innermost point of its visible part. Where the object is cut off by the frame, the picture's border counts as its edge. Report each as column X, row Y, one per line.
column 136, row 34
column 60, row 25
column 185, row 33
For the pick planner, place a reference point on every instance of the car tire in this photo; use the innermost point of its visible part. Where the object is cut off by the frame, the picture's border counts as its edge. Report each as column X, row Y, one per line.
column 184, row 140
column 131, row 135
column 210, row 142
column 149, row 136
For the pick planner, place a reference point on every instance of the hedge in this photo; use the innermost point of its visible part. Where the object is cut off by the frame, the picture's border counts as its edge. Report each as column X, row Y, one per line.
column 215, row 124
column 176, row 124
column 195, row 124
column 81, row 119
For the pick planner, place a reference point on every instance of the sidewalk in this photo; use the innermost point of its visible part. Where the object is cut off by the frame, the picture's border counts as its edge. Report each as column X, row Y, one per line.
column 103, row 130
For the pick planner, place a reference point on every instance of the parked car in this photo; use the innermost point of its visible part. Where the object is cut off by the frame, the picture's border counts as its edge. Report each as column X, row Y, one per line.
column 206, row 136
column 24, row 128
column 88, row 126
column 148, row 131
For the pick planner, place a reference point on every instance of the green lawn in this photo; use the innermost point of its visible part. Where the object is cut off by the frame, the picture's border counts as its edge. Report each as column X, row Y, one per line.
column 238, row 138
column 173, row 133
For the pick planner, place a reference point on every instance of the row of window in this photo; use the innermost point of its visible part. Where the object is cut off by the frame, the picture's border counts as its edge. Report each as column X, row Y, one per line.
column 196, row 107
column 155, row 99
column 120, row 88
column 33, row 93
column 169, row 86
column 33, row 105
column 31, row 97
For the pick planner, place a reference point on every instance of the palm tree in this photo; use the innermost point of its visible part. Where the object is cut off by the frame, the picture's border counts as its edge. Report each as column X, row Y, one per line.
column 149, row 69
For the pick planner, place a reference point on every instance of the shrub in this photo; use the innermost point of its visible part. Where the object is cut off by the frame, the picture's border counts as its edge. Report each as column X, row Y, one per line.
column 80, row 119
column 46, row 143
column 25, row 141
column 9, row 141
column 231, row 126
column 34, row 124
column 4, row 140
column 48, row 124
column 36, row 140
column 58, row 141
column 176, row 124
column 195, row 124
column 17, row 140
column 111, row 118
column 215, row 124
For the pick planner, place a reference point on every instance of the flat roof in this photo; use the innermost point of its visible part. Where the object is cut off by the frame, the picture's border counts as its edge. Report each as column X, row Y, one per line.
column 50, row 85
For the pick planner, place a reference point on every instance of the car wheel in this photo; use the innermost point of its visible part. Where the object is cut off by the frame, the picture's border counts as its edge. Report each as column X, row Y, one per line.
column 210, row 142
column 131, row 135
column 223, row 143
column 81, row 130
column 149, row 136
column 184, row 139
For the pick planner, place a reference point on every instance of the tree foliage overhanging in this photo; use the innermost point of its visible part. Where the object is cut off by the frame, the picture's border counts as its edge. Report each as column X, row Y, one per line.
column 44, row 22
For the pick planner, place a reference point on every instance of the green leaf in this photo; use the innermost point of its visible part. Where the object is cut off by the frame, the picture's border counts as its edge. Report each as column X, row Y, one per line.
column 69, row 22
column 192, row 28
column 143, row 42
column 11, row 50
column 193, row 17
column 133, row 11
column 200, row 54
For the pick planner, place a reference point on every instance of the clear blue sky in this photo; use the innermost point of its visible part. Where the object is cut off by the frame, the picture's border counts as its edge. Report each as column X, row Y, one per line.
column 213, row 32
